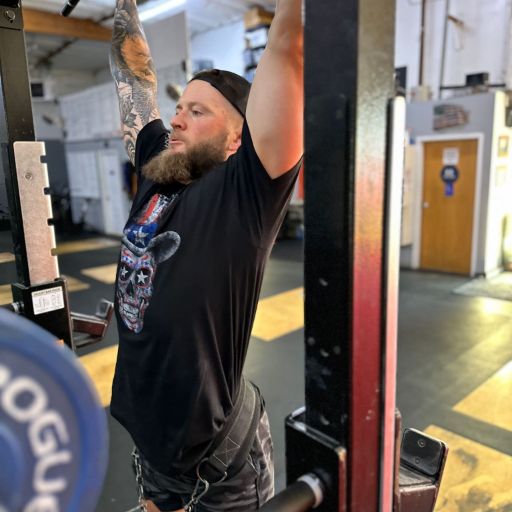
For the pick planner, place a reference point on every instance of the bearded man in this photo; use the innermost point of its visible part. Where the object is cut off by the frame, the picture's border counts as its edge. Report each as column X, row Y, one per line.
column 212, row 195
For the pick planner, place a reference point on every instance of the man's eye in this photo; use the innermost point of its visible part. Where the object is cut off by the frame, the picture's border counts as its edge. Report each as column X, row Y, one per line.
column 196, row 112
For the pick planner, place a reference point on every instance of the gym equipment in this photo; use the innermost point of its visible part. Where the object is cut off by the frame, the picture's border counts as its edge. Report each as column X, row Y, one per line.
column 305, row 494
column 348, row 433
column 40, row 293
column 343, row 447
column 68, row 7
column 53, row 429
column 53, row 432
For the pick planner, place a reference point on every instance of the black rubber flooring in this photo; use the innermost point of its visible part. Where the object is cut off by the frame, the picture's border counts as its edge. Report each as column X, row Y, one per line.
column 448, row 345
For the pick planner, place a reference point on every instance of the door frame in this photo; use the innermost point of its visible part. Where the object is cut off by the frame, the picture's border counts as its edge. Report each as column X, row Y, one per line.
column 418, row 210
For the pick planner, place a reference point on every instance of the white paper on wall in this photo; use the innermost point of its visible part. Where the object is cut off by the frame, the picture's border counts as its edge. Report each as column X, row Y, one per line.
column 407, row 233
column 83, row 174
column 92, row 113
column 451, row 156
column 113, row 198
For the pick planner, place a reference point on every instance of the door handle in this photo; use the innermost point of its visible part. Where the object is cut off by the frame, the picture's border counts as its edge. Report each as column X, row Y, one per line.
column 426, row 204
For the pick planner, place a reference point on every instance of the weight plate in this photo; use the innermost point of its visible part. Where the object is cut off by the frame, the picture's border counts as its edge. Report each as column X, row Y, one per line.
column 53, row 429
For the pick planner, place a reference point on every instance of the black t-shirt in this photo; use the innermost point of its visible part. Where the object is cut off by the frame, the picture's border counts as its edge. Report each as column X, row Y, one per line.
column 187, row 288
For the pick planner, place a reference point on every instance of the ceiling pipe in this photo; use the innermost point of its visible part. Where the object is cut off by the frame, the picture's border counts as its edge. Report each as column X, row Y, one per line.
column 443, row 49
column 422, row 41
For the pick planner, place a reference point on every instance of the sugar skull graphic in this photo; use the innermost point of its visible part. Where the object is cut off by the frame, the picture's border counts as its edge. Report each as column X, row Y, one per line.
column 137, row 270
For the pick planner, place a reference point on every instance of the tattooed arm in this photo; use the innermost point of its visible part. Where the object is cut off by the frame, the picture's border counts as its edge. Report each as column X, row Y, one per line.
column 133, row 70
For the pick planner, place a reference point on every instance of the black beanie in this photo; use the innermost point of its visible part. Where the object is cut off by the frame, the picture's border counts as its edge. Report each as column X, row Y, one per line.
column 232, row 86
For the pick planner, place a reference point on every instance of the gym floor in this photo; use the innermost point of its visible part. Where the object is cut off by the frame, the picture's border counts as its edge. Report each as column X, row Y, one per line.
column 454, row 368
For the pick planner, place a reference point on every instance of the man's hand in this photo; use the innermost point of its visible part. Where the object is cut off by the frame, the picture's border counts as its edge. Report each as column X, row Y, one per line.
column 134, row 73
column 275, row 108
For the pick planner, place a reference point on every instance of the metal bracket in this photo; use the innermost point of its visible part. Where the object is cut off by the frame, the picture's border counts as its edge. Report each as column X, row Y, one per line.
column 89, row 329
column 36, row 209
column 422, row 461
column 10, row 15
column 310, row 451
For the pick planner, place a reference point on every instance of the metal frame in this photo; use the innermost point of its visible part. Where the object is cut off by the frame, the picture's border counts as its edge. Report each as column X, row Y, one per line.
column 347, row 94
column 40, row 293
column 391, row 269
column 16, row 113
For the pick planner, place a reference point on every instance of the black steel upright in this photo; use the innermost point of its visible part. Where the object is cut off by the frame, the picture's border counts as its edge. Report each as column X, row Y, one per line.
column 40, row 293
column 349, row 48
column 16, row 122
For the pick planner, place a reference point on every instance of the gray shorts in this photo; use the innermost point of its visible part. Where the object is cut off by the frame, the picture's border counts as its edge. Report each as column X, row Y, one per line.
column 246, row 490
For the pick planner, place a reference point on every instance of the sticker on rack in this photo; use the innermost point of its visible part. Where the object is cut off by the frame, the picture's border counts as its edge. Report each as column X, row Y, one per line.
column 50, row 299
column 449, row 175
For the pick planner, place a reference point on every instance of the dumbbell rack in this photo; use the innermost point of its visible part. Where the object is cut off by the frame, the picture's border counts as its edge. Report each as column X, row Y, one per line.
column 40, row 293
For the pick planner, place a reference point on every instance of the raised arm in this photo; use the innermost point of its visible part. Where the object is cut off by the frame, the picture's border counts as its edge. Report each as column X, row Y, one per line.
column 275, row 108
column 134, row 73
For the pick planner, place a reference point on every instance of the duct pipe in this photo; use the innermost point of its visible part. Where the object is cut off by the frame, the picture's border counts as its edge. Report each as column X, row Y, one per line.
column 422, row 41
column 443, row 49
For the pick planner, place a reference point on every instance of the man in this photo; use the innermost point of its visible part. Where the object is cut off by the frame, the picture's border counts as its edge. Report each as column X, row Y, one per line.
column 212, row 195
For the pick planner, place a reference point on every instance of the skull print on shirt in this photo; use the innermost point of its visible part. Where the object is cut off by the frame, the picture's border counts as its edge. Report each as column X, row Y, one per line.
column 141, row 253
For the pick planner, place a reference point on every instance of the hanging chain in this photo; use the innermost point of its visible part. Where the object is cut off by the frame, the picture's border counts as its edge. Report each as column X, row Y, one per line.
column 194, row 499
column 196, row 496
column 138, row 479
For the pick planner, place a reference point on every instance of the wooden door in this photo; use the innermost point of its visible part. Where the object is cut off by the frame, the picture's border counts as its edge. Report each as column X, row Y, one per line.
column 447, row 205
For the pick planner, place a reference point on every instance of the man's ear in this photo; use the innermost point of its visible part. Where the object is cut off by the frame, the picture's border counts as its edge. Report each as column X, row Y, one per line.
column 235, row 141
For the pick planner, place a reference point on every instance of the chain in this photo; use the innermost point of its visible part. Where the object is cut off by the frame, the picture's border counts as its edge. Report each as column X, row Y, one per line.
column 138, row 479
column 194, row 499
column 196, row 496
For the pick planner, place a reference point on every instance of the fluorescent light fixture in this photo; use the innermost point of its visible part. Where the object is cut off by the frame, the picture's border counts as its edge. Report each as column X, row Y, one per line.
column 154, row 9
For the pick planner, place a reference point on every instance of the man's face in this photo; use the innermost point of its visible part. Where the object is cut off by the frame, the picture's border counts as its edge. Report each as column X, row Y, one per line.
column 206, row 130
column 202, row 115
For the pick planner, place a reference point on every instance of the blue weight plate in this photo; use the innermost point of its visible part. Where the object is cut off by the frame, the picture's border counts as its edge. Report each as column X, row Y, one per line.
column 13, row 470
column 53, row 429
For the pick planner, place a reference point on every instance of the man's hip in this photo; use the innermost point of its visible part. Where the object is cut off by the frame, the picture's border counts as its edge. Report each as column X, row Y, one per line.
column 247, row 489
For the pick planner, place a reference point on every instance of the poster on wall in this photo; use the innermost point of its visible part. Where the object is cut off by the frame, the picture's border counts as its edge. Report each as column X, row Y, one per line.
column 503, row 146
column 449, row 116
column 501, row 179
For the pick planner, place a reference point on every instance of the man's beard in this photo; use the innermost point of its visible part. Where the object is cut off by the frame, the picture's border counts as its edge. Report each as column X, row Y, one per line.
column 168, row 167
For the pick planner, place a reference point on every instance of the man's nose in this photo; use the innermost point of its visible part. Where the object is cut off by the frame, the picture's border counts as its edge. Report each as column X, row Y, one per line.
column 178, row 122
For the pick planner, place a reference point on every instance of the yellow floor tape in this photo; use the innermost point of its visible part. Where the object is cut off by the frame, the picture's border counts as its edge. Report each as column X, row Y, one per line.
column 90, row 244
column 105, row 273
column 5, row 257
column 476, row 478
column 100, row 367
column 279, row 315
column 492, row 401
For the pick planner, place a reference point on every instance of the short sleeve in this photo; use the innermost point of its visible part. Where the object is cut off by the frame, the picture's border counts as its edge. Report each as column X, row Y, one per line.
column 262, row 201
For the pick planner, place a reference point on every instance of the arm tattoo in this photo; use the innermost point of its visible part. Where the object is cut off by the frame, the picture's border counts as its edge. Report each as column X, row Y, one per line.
column 133, row 70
